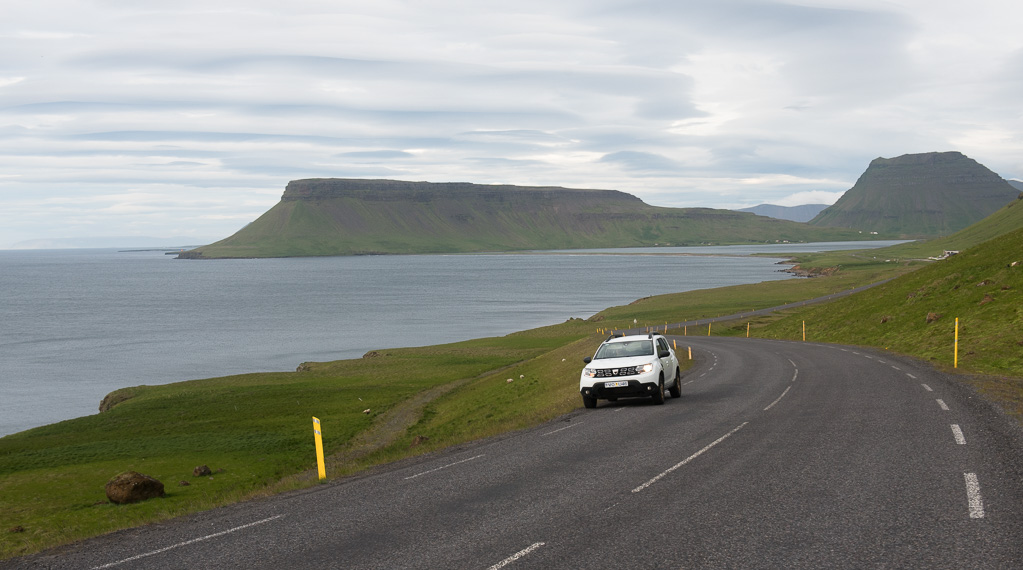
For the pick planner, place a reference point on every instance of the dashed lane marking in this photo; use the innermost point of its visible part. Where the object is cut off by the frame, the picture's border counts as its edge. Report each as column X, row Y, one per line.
column 517, row 555
column 688, row 459
column 779, row 398
column 974, row 499
column 443, row 467
column 957, row 433
column 561, row 429
column 187, row 542
column 942, row 404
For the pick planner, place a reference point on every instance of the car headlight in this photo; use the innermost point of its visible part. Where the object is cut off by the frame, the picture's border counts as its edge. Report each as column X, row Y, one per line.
column 589, row 372
column 644, row 368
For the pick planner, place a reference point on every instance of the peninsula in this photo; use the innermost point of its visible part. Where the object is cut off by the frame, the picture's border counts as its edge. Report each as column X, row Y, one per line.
column 328, row 216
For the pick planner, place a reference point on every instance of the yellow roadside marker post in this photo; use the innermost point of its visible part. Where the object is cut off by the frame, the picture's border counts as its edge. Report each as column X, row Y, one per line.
column 319, row 448
column 747, row 330
column 690, row 353
column 955, row 358
column 708, row 329
column 804, row 331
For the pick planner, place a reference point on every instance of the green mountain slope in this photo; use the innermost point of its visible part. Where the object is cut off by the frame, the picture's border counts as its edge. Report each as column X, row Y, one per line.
column 353, row 217
column 919, row 195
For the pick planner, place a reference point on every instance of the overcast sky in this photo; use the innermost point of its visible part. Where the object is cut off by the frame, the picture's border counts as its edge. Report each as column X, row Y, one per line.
column 188, row 118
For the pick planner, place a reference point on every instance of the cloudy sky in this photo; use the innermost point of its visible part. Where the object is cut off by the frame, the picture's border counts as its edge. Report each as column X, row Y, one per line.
column 188, row 118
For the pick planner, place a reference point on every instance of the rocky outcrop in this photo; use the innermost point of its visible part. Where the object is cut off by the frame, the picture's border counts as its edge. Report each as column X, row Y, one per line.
column 133, row 487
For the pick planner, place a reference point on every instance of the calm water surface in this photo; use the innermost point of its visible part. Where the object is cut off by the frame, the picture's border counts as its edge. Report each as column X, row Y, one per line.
column 77, row 324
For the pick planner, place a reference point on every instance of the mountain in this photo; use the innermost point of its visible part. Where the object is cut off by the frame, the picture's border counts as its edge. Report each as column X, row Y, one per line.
column 803, row 213
column 354, row 217
column 1017, row 184
column 919, row 195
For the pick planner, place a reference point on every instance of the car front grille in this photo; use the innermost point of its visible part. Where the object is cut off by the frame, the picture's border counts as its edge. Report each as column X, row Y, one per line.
column 615, row 372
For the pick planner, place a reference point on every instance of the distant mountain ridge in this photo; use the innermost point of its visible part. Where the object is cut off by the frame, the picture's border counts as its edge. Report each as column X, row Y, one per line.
column 803, row 213
column 919, row 195
column 328, row 216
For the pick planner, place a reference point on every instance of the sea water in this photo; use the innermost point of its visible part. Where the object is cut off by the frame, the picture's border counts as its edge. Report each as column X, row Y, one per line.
column 78, row 324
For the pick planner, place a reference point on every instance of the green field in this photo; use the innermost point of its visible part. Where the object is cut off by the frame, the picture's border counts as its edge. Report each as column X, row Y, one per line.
column 254, row 430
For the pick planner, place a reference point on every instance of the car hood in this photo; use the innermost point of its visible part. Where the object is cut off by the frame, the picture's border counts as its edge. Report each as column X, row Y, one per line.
column 621, row 362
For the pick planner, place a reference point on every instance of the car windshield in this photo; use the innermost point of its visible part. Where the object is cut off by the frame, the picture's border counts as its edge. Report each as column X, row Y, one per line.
column 625, row 349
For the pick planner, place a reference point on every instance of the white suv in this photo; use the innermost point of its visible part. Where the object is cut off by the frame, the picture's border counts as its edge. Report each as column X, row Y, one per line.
column 628, row 367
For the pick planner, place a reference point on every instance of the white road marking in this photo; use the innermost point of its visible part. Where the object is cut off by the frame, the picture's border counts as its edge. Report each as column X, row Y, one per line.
column 443, row 467
column 688, row 459
column 958, row 434
column 942, row 404
column 926, row 387
column 792, row 363
column 897, row 368
column 795, row 375
column 516, row 556
column 187, row 542
column 561, row 429
column 911, row 376
column 973, row 495
column 779, row 398
column 881, row 361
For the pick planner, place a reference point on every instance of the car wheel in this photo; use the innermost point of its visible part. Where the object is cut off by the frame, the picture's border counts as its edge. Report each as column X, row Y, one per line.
column 676, row 388
column 589, row 402
column 659, row 391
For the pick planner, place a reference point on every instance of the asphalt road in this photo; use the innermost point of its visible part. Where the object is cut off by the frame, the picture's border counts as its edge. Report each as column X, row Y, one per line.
column 778, row 455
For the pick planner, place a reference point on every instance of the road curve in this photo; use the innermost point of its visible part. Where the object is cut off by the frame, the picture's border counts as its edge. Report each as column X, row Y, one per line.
column 779, row 454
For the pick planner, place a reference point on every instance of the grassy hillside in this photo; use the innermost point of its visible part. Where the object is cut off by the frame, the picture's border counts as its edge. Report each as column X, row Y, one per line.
column 353, row 217
column 919, row 195
column 915, row 314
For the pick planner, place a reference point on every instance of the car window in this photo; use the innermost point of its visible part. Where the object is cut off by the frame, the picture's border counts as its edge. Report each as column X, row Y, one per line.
column 663, row 344
column 625, row 349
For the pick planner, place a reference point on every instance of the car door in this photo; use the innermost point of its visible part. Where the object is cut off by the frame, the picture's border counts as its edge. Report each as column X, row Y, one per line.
column 668, row 363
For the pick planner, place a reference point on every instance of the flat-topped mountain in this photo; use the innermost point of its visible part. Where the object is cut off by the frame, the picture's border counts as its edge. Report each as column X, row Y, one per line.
column 356, row 217
column 919, row 195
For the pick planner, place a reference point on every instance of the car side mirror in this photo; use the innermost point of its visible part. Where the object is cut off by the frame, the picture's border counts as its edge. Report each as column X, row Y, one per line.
column 664, row 354
column 587, row 360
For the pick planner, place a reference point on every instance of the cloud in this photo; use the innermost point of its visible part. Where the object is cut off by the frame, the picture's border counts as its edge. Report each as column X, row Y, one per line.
column 681, row 102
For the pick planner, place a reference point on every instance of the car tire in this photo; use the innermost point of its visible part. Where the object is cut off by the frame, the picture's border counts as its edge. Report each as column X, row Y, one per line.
column 676, row 388
column 589, row 402
column 659, row 391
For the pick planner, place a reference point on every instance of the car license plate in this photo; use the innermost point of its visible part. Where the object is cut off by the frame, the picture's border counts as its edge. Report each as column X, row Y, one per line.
column 619, row 384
